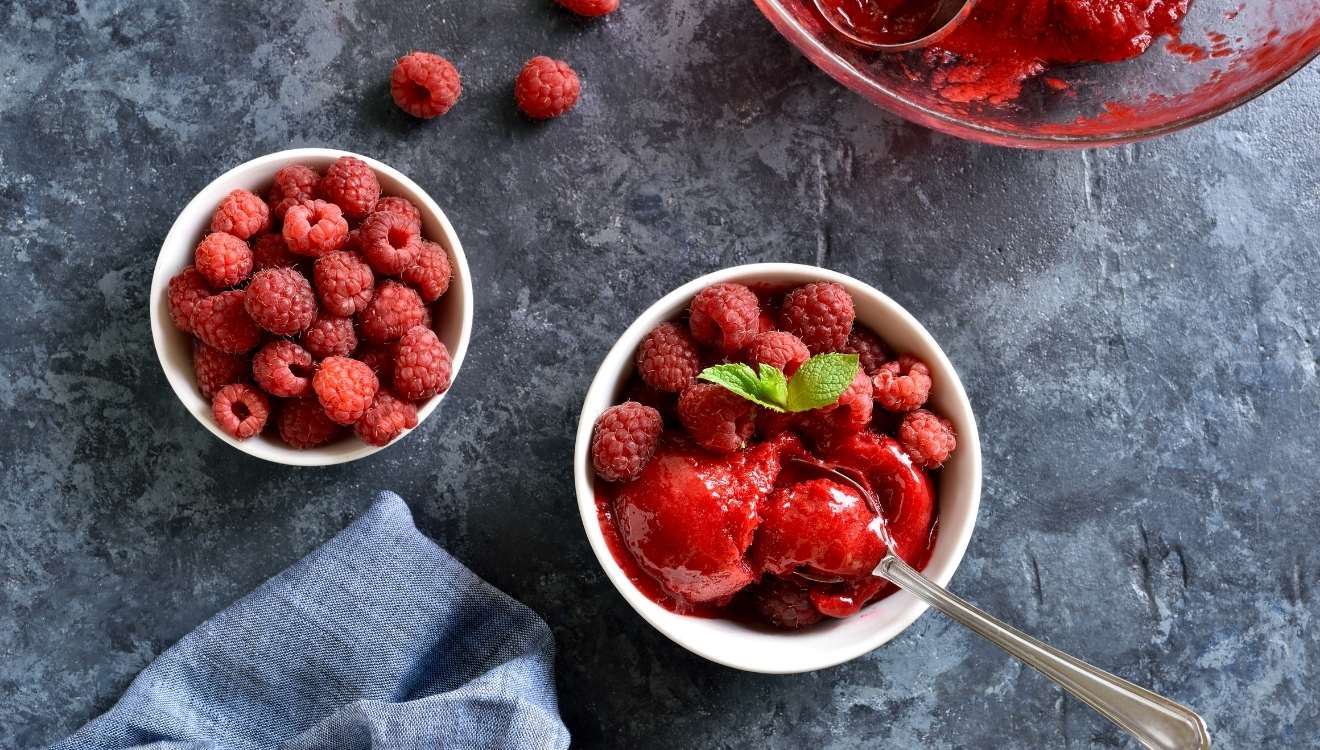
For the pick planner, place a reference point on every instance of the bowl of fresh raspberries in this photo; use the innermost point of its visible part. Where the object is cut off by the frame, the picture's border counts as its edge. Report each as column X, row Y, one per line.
column 312, row 306
column 752, row 446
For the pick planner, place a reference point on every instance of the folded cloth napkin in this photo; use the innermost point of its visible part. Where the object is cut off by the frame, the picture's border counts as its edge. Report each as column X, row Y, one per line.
column 379, row 639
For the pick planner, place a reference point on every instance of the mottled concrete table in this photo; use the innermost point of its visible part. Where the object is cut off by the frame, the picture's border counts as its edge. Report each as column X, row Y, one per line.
column 1137, row 329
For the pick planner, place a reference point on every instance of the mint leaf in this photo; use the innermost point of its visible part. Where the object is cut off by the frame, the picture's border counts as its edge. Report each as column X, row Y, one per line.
column 769, row 390
column 774, row 386
column 820, row 381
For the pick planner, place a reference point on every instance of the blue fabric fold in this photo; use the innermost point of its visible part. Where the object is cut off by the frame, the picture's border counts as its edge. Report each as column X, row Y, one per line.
column 378, row 639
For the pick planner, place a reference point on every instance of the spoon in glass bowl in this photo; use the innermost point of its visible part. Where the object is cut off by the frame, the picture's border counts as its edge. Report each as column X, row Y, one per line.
column 1156, row 722
column 894, row 25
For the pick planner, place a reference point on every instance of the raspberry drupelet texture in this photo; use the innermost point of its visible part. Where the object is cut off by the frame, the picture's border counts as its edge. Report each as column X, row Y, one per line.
column 590, row 8
column 870, row 350
column 293, row 184
column 431, row 274
column 717, row 419
column 223, row 259
column 379, row 357
column 344, row 282
column 345, row 387
column 624, row 441
column 222, row 322
column 393, row 204
column 270, row 251
column 350, row 184
column 850, row 413
column 779, row 349
column 425, row 85
column 281, row 301
column 282, row 368
column 215, row 369
column 546, row 88
column 819, row 313
column 315, row 228
column 927, row 438
column 422, row 365
column 725, row 316
column 902, row 385
column 785, row 603
column 241, row 214
column 390, row 242
column 667, row 359
column 302, row 423
column 385, row 419
column 394, row 308
column 240, row 410
column 186, row 289
column 330, row 336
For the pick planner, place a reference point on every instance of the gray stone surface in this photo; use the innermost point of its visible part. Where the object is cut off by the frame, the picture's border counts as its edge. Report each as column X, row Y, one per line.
column 1137, row 329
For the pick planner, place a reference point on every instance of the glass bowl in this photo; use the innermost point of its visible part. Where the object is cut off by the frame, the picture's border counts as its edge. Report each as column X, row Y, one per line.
column 1228, row 52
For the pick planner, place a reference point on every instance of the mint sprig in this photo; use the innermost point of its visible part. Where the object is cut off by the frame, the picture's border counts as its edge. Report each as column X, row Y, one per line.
column 818, row 382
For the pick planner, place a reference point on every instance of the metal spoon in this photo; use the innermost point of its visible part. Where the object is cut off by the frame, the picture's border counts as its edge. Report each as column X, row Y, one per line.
column 944, row 19
column 1156, row 722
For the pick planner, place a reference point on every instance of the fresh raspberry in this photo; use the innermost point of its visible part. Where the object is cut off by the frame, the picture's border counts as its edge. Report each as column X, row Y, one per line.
column 624, row 441
column 220, row 321
column 284, row 369
column 422, row 366
column 779, row 349
column 344, row 282
column 303, row 423
column 393, row 204
column 591, row 8
column 390, row 242
column 281, row 301
column 294, row 184
column 927, row 438
column 725, row 316
column 270, row 251
column 665, row 403
column 241, row 214
column 385, row 419
column 354, row 242
column 241, row 410
column 345, row 387
column 819, row 313
column 902, row 385
column 216, row 369
column 185, row 291
column 223, row 259
column 770, row 424
column 330, row 336
column 394, row 308
column 315, row 228
column 546, row 88
column 717, row 419
column 852, row 411
column 380, row 358
column 667, row 358
column 425, row 85
column 785, row 603
column 431, row 273
column 350, row 184
column 870, row 350
column 766, row 323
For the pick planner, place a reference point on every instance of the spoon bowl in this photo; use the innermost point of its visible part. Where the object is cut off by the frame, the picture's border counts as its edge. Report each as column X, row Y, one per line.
column 924, row 27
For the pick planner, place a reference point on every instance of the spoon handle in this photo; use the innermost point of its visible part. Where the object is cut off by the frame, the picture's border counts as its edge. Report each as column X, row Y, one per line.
column 1157, row 722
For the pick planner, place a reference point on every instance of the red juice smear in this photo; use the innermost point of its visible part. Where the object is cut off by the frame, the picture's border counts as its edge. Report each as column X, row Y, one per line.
column 881, row 21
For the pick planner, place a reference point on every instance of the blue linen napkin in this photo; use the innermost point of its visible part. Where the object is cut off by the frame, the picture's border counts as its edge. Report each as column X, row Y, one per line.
column 379, row 639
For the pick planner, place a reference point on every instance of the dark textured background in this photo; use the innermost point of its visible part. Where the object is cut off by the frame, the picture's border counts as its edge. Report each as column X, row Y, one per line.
column 1136, row 327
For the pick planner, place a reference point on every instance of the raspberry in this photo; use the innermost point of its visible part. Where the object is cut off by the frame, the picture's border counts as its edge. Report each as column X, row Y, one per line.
column 870, row 350
column 591, row 8
column 303, row 423
column 546, row 88
column 667, row 358
column 785, row 603
column 241, row 214
column 344, row 282
column 294, row 184
column 852, row 411
column 215, row 369
column 270, row 251
column 927, row 438
column 380, row 358
column 185, row 291
column 425, row 85
column 315, row 228
column 351, row 184
column 385, row 419
column 220, row 321
column 330, row 337
column 390, row 242
column 431, row 273
column 902, row 385
column 345, row 387
column 241, row 410
column 394, row 308
column 223, row 259
column 393, row 204
column 725, row 316
column 717, row 419
column 779, row 349
column 284, row 369
column 624, row 441
column 665, row 403
column 819, row 313
column 422, row 366
column 354, row 242
column 281, row 301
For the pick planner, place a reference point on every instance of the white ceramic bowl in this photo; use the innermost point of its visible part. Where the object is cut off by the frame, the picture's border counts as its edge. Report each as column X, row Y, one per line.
column 174, row 348
column 834, row 641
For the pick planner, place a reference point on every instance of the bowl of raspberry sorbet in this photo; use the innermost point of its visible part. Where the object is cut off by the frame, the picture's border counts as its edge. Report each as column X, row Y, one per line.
column 754, row 444
column 311, row 307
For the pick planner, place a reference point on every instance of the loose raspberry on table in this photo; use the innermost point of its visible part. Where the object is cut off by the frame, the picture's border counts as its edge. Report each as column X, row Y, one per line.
column 431, row 274
column 350, row 184
column 870, row 350
column 345, row 387
column 819, row 313
column 390, row 242
column 667, row 358
column 624, row 441
column 222, row 322
column 185, row 291
column 215, row 369
column 284, row 369
column 315, row 228
column 425, row 85
column 546, row 88
column 725, row 316
column 393, row 204
column 241, row 214
column 241, row 410
column 394, row 308
column 344, row 282
column 330, row 336
column 385, row 419
column 281, row 301
column 294, row 184
column 590, row 8
column 302, row 423
column 927, row 438
column 717, row 419
column 422, row 365
column 902, row 385
column 223, row 259
column 785, row 603
column 270, row 251
column 779, row 349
